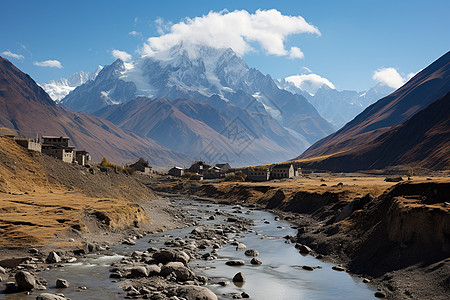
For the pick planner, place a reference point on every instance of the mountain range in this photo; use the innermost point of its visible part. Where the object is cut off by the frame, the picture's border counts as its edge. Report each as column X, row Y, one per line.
column 338, row 107
column 198, row 97
column 58, row 89
column 410, row 127
column 27, row 110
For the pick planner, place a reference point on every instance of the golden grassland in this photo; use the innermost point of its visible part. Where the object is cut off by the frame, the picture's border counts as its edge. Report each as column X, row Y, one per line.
column 34, row 209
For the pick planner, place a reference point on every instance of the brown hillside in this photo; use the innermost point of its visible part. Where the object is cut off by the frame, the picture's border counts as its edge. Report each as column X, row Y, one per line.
column 42, row 197
column 27, row 109
column 424, row 88
column 422, row 141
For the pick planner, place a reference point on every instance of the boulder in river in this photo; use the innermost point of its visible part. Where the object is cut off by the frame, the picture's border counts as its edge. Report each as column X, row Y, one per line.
column 182, row 273
column 25, row 281
column 48, row 296
column 256, row 261
column 165, row 256
column 53, row 258
column 240, row 246
column 235, row 262
column 193, row 292
column 251, row 252
column 239, row 277
column 62, row 283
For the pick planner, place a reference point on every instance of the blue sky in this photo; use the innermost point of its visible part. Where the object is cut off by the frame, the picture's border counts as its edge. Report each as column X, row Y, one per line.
column 357, row 37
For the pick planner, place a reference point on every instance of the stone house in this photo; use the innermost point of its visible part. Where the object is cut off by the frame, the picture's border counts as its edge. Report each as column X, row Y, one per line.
column 64, row 154
column 82, row 157
column 176, row 171
column 198, row 167
column 31, row 144
column 141, row 165
column 258, row 174
column 282, row 171
column 223, row 167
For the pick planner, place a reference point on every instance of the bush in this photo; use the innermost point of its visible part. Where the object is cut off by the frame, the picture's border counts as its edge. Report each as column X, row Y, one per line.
column 105, row 163
column 237, row 176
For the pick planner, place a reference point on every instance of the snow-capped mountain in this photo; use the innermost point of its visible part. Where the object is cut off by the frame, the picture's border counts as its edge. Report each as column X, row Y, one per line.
column 58, row 89
column 277, row 121
column 338, row 107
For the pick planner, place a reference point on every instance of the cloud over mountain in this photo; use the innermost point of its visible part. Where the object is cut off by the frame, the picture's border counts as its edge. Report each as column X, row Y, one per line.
column 51, row 63
column 391, row 77
column 123, row 55
column 13, row 55
column 309, row 82
column 237, row 30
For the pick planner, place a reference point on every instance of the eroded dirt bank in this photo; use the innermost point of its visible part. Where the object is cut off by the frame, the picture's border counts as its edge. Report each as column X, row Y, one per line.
column 398, row 235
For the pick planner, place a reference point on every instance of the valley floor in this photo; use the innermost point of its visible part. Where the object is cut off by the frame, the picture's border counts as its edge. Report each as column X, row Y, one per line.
column 395, row 234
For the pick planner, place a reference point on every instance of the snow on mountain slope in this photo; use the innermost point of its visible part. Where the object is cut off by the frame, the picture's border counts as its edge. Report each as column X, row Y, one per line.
column 217, row 77
column 58, row 89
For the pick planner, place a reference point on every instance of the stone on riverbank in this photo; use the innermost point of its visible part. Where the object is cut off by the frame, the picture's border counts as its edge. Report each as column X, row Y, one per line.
column 192, row 292
column 138, row 272
column 48, row 296
column 25, row 281
column 165, row 256
column 181, row 272
column 53, row 258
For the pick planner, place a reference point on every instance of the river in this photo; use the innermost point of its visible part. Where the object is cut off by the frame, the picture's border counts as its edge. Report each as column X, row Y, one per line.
column 280, row 276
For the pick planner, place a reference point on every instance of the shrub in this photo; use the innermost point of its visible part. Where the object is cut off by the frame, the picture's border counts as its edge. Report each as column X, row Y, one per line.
column 187, row 175
column 105, row 163
column 237, row 176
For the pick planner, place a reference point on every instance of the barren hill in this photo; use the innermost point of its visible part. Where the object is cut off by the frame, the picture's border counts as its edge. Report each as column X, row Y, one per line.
column 424, row 88
column 42, row 197
column 28, row 110
column 410, row 126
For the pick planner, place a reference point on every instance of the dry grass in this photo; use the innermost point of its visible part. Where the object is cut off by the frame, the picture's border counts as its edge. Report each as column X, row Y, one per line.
column 35, row 218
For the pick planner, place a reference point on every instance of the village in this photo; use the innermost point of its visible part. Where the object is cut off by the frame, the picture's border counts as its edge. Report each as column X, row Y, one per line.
column 60, row 148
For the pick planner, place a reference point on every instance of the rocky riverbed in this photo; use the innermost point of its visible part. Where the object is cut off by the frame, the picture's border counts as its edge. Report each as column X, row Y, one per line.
column 225, row 252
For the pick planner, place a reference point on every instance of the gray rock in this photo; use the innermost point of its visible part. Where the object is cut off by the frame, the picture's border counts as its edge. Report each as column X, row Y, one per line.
column 10, row 287
column 153, row 270
column 165, row 256
column 129, row 242
column 239, row 277
column 25, row 281
column 138, row 272
column 193, row 292
column 62, row 283
column 235, row 262
column 338, row 268
column 251, row 252
column 307, row 268
column 53, row 258
column 303, row 249
column 380, row 294
column 178, row 269
column 48, row 296
column 240, row 246
column 256, row 261
column 245, row 295
column 2, row 270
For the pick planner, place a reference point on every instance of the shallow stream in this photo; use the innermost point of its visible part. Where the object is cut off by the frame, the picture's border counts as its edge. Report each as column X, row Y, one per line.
column 279, row 277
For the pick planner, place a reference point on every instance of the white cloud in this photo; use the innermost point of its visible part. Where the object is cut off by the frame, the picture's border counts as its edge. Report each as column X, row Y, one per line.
column 237, row 30
column 13, row 55
column 309, row 82
column 122, row 55
column 134, row 33
column 296, row 53
column 51, row 63
column 391, row 77
column 307, row 70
